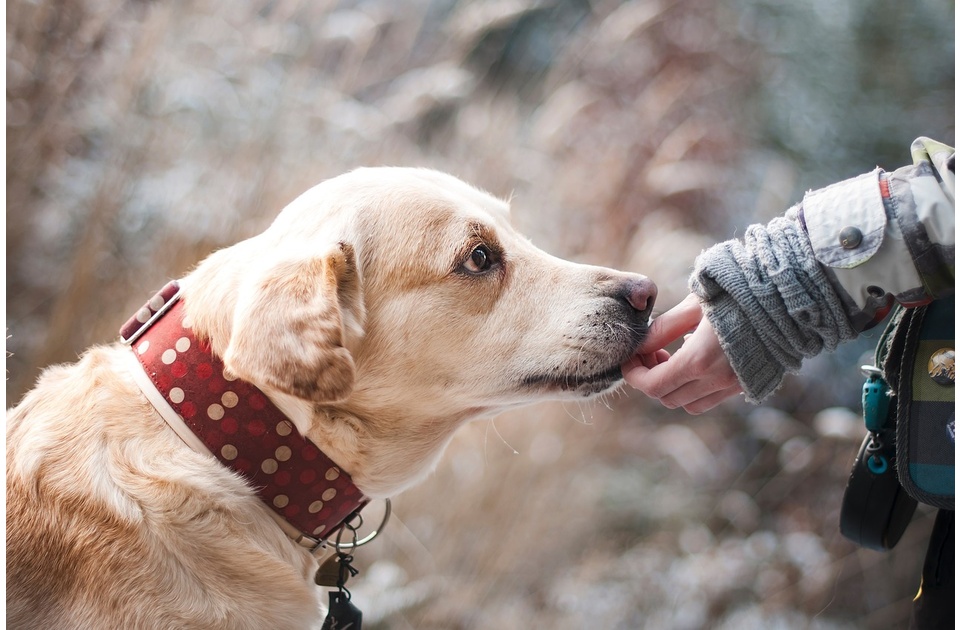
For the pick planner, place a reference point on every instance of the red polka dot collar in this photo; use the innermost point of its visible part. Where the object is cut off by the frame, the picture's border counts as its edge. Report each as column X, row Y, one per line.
column 232, row 420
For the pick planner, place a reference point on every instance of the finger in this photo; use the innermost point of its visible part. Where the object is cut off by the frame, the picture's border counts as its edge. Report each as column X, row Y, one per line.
column 698, row 389
column 660, row 380
column 671, row 325
column 654, row 359
column 650, row 360
column 635, row 373
column 709, row 402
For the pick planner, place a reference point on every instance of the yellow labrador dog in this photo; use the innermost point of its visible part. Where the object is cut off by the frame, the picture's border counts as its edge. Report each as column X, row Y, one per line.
column 382, row 310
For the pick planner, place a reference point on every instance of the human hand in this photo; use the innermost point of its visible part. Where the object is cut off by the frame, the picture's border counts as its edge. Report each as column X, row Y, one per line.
column 697, row 377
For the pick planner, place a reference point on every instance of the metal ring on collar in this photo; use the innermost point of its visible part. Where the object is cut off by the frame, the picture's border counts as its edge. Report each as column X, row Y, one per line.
column 340, row 546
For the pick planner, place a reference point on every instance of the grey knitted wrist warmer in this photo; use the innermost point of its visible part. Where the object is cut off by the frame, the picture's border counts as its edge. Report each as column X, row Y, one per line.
column 770, row 303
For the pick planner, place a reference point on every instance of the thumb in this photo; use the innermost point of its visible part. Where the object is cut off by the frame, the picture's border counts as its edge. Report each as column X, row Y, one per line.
column 673, row 324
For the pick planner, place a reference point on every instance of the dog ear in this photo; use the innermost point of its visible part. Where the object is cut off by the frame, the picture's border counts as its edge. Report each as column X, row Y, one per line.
column 291, row 324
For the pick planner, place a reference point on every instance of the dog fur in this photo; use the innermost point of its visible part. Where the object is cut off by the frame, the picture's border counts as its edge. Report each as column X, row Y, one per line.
column 382, row 310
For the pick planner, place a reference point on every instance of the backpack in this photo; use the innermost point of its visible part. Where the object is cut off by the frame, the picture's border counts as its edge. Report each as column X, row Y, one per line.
column 918, row 363
column 908, row 409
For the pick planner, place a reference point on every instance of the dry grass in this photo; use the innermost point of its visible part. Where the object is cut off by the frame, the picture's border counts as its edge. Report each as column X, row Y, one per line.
column 141, row 136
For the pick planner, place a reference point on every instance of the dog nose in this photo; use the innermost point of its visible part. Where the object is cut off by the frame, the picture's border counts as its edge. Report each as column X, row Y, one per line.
column 639, row 292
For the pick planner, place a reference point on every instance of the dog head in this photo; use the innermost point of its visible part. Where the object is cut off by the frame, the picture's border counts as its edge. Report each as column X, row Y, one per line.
column 385, row 307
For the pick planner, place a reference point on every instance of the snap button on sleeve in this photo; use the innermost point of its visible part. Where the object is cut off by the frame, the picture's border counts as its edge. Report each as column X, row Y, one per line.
column 850, row 237
column 852, row 206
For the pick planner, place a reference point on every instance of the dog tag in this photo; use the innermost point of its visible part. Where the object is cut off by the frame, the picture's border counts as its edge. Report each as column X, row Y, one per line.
column 328, row 574
column 342, row 615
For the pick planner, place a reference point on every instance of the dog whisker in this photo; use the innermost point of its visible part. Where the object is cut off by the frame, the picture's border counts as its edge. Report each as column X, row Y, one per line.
column 486, row 432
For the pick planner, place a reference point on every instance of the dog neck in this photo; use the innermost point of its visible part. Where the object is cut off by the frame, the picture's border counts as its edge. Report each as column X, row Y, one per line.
column 235, row 422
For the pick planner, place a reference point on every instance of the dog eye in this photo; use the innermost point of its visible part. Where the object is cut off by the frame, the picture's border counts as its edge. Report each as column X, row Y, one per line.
column 480, row 260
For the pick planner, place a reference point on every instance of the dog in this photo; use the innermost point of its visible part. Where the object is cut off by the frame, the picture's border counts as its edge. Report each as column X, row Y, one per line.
column 379, row 312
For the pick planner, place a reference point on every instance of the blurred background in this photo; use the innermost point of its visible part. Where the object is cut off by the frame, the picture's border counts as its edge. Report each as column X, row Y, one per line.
column 141, row 136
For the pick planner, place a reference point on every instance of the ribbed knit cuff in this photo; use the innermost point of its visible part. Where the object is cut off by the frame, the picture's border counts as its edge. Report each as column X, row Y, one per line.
column 770, row 303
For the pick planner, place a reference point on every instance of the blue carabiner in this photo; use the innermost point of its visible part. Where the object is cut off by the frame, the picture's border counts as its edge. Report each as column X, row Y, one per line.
column 875, row 399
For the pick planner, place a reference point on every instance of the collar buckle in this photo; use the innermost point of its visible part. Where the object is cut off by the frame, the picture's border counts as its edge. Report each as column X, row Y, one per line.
column 150, row 312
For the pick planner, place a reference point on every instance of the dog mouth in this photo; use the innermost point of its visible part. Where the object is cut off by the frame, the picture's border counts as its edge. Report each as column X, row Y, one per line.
column 589, row 375
column 585, row 384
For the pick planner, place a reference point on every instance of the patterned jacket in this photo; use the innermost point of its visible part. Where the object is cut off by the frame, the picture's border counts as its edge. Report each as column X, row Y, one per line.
column 888, row 235
column 831, row 267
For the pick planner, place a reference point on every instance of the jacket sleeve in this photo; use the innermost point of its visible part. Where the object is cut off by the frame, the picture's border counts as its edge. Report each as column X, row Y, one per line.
column 830, row 267
column 888, row 236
